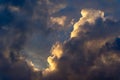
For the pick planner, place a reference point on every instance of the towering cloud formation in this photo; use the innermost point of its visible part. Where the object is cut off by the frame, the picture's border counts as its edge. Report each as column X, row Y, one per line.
column 91, row 53
column 88, row 16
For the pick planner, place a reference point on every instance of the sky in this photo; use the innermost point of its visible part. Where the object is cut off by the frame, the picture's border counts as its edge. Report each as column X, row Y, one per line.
column 59, row 40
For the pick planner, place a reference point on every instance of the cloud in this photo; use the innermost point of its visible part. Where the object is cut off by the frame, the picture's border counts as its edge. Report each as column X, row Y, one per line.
column 92, row 54
column 58, row 20
column 17, row 24
column 72, row 8
column 87, row 16
column 55, row 6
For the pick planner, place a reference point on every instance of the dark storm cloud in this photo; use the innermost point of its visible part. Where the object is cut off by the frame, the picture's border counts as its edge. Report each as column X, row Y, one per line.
column 18, row 20
column 107, row 63
column 92, row 54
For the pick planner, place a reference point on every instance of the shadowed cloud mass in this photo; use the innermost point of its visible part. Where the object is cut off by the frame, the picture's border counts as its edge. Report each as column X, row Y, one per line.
column 92, row 52
column 87, row 51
